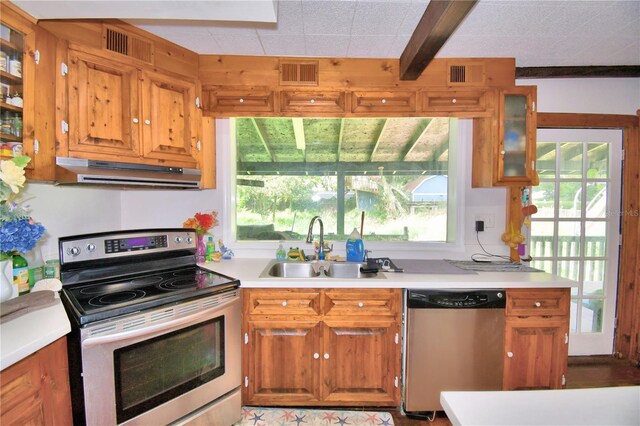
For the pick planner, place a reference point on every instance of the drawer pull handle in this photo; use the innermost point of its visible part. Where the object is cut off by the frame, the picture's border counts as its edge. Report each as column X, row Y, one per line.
column 384, row 101
column 538, row 304
column 241, row 101
column 316, row 355
column 147, row 122
column 135, row 120
column 360, row 304
column 284, row 303
column 510, row 354
column 326, row 356
column 454, row 100
column 313, row 101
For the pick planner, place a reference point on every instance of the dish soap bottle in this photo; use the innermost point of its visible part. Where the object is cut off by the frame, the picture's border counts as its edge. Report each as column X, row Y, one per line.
column 281, row 254
column 355, row 247
column 210, row 249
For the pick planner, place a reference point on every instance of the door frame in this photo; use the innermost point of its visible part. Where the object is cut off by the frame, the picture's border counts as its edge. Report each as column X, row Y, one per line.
column 626, row 344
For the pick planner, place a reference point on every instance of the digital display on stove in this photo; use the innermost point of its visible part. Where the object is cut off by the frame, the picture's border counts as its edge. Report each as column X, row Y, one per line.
column 120, row 245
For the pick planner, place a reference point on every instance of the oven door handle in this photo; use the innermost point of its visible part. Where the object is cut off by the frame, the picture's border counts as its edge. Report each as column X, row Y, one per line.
column 152, row 330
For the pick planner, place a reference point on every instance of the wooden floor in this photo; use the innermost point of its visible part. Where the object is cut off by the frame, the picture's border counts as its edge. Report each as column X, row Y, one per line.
column 583, row 372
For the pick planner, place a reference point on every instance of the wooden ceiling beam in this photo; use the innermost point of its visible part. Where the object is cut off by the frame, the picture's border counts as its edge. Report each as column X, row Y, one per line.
column 413, row 143
column 298, row 131
column 348, row 168
column 266, row 145
column 375, row 147
column 614, row 71
column 439, row 21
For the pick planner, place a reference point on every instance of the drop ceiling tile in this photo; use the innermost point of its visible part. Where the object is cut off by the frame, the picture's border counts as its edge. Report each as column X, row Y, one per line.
column 332, row 46
column 289, row 19
column 283, row 45
column 370, row 46
column 233, row 28
column 238, row 45
column 328, row 17
column 411, row 19
column 502, row 19
column 376, row 18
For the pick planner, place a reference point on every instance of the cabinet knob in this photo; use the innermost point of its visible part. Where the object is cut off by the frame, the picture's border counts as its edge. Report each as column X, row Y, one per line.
column 135, row 120
column 316, row 355
column 241, row 100
column 313, row 101
column 360, row 304
column 510, row 354
column 326, row 356
column 384, row 101
column 454, row 100
column 502, row 152
column 284, row 303
column 538, row 304
column 147, row 122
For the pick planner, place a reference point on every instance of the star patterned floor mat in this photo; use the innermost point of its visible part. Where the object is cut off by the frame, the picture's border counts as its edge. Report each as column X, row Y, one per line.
column 261, row 416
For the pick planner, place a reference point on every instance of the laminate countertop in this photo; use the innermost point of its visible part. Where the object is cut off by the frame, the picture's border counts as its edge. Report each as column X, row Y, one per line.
column 26, row 334
column 250, row 274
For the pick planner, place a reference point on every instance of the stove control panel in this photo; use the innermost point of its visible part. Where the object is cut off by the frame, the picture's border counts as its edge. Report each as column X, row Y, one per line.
column 124, row 243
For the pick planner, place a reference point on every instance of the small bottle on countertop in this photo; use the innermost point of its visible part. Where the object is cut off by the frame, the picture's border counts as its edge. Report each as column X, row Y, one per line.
column 20, row 274
column 281, row 254
column 355, row 247
column 36, row 266
column 210, row 249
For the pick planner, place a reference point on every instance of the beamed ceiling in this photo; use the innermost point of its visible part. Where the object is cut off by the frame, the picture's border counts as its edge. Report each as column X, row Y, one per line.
column 299, row 146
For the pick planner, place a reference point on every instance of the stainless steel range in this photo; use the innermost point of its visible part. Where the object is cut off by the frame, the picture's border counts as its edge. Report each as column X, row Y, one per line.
column 155, row 339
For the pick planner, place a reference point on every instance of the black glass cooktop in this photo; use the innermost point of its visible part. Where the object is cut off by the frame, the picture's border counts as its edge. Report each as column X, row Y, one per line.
column 106, row 299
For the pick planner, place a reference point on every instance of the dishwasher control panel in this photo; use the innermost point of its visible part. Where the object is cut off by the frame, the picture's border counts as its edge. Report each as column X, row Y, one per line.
column 456, row 299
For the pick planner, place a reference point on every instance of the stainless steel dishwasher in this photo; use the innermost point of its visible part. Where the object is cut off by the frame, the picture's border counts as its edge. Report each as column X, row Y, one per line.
column 454, row 342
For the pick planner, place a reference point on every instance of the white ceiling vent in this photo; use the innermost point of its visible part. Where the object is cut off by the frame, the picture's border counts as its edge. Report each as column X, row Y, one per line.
column 128, row 44
column 465, row 74
column 299, row 73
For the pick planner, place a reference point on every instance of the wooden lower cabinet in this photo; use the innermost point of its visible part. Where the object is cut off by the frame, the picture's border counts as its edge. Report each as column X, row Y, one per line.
column 35, row 391
column 314, row 358
column 536, row 344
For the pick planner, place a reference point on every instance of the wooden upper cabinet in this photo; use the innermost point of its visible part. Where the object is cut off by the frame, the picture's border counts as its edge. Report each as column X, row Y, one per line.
column 452, row 101
column 296, row 101
column 104, row 109
column 169, row 119
column 238, row 101
column 383, row 102
column 515, row 161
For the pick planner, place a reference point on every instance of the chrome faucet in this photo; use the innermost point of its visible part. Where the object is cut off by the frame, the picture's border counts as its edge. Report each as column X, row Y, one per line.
column 321, row 250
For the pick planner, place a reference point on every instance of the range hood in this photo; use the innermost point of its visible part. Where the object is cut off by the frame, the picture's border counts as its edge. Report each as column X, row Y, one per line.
column 82, row 171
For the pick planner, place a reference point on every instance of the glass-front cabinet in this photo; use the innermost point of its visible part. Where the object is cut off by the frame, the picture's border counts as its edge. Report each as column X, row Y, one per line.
column 11, row 89
column 517, row 137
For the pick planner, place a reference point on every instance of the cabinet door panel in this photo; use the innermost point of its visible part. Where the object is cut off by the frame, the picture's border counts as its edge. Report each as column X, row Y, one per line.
column 169, row 112
column 538, row 302
column 535, row 352
column 379, row 302
column 103, row 105
column 282, row 302
column 360, row 362
column 279, row 362
column 312, row 101
column 383, row 102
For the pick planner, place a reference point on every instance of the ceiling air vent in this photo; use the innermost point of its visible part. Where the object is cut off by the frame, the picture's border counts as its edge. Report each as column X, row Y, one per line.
column 124, row 43
column 466, row 74
column 299, row 73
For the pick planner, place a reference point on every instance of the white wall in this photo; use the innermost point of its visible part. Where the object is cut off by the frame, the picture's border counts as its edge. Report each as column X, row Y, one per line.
column 75, row 210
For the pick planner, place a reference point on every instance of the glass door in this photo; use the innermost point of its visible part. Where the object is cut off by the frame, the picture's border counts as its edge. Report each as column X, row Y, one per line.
column 575, row 233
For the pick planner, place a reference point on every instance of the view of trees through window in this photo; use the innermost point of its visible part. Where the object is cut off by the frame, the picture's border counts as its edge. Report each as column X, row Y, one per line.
column 394, row 170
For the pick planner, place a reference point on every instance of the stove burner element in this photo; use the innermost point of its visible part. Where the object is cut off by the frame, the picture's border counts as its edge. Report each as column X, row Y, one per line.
column 115, row 298
column 177, row 284
column 136, row 282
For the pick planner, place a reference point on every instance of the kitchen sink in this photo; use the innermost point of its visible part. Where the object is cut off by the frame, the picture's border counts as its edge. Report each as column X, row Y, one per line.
column 318, row 269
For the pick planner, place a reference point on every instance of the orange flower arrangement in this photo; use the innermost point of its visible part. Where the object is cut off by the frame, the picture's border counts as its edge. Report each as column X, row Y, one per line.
column 202, row 222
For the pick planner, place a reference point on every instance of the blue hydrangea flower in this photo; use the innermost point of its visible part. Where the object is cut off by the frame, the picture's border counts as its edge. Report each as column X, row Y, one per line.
column 20, row 235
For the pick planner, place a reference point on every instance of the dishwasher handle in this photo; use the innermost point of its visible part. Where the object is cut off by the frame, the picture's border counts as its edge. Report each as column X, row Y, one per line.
column 456, row 299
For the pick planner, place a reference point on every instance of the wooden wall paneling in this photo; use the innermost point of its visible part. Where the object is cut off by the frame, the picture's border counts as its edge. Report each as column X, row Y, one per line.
column 627, row 338
column 208, row 153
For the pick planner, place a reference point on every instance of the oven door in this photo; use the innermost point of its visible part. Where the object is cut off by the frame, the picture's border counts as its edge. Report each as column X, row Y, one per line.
column 158, row 366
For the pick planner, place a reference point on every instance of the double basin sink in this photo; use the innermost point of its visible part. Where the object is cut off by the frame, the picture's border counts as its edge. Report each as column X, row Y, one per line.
column 319, row 269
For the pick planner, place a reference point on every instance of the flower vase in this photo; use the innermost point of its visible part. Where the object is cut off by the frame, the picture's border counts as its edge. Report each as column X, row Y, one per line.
column 6, row 280
column 201, row 249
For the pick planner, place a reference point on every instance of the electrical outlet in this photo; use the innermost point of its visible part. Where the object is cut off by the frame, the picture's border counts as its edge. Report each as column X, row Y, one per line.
column 479, row 226
column 487, row 218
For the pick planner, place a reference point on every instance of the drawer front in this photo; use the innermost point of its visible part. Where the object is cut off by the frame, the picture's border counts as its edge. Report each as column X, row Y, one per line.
column 453, row 101
column 383, row 102
column 368, row 302
column 312, row 101
column 240, row 101
column 537, row 302
column 282, row 302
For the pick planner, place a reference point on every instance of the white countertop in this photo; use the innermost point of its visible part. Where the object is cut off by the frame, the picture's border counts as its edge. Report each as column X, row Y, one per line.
column 24, row 335
column 597, row 406
column 248, row 272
